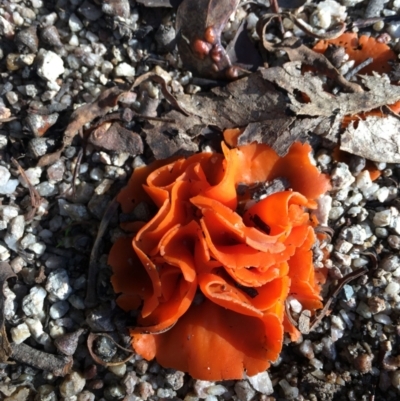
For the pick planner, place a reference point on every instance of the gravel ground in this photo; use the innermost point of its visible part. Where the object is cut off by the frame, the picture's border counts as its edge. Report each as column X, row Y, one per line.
column 56, row 56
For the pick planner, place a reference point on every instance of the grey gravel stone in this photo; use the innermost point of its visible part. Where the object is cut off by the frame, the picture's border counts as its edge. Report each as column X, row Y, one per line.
column 57, row 284
column 72, row 385
column 59, row 309
column 341, row 176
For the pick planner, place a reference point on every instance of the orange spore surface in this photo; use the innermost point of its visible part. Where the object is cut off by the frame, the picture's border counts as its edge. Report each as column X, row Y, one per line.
column 210, row 279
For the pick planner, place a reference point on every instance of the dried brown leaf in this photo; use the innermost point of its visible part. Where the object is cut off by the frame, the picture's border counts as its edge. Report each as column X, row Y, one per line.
column 112, row 136
column 81, row 116
column 374, row 138
column 92, row 337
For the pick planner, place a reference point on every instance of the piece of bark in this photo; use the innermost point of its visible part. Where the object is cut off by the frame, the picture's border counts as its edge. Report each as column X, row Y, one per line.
column 6, row 272
column 58, row 365
column 375, row 138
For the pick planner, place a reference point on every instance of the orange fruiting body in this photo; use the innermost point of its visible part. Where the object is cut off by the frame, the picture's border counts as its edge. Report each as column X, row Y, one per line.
column 211, row 271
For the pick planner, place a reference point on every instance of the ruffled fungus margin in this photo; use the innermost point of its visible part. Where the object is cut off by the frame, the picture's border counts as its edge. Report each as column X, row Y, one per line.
column 211, row 271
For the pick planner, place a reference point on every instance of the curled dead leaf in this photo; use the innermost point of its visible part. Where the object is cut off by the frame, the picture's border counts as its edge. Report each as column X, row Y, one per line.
column 92, row 337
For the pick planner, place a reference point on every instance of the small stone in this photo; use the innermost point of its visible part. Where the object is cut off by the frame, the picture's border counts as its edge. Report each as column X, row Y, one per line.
column 49, row 65
column 40, row 146
column 394, row 241
column 118, row 370
column 341, row 176
column 35, row 327
column 343, row 246
column 86, row 396
column 74, row 211
column 306, row 349
column 383, row 218
column 145, row 390
column 57, row 284
column 46, row 188
column 32, row 304
column 244, row 391
column 376, row 304
column 363, row 180
column 363, row 363
column 75, row 24
column 176, row 379
column 363, row 310
column 392, row 289
column 382, row 194
column 105, row 348
column 261, row 382
column 67, row 343
column 38, row 248
column 291, row 393
column 20, row 333
column 124, row 70
column 370, row 192
column 336, row 212
column 33, row 174
column 115, row 392
column 76, row 302
column 59, row 309
column 72, row 385
column 390, row 263
column 9, row 187
column 383, row 319
column 55, row 172
column 354, row 234
column 4, row 175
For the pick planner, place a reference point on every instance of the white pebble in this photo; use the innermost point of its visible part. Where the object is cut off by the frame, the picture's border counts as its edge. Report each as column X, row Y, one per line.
column 49, row 65
column 370, row 192
column 32, row 304
column 392, row 288
column 261, row 382
column 9, row 187
column 363, row 180
column 341, row 176
column 75, row 24
column 35, row 327
column 4, row 175
column 383, row 218
column 20, row 333
column 124, row 70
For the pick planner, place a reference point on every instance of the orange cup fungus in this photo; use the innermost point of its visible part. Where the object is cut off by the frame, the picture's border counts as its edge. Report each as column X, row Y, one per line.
column 211, row 271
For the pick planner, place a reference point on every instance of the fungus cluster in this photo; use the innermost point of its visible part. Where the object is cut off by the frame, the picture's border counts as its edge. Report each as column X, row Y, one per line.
column 210, row 273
